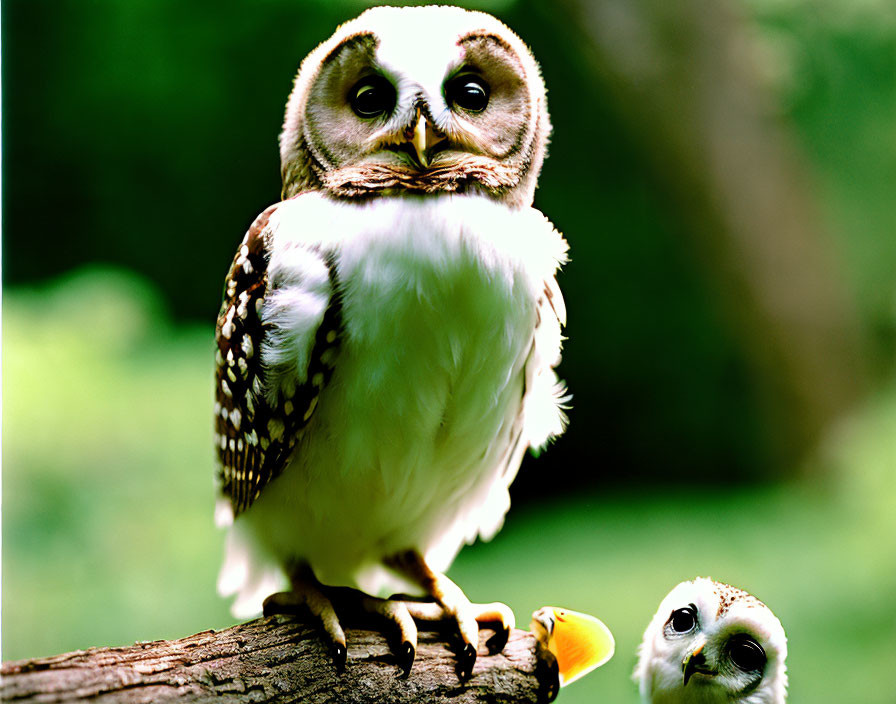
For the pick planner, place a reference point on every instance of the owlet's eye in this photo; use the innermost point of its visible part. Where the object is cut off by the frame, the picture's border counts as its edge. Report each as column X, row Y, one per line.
column 468, row 92
column 371, row 97
column 683, row 620
column 746, row 653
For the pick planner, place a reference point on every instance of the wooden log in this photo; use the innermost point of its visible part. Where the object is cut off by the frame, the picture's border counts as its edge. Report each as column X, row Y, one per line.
column 280, row 659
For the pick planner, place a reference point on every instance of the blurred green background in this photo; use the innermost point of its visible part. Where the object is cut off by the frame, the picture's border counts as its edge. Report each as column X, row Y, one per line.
column 725, row 174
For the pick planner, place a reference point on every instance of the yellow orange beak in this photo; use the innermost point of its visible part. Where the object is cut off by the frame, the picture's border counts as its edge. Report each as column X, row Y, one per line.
column 696, row 662
column 424, row 137
column 580, row 642
column 420, row 140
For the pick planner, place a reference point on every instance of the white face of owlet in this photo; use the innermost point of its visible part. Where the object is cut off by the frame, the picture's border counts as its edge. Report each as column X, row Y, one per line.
column 712, row 643
column 417, row 99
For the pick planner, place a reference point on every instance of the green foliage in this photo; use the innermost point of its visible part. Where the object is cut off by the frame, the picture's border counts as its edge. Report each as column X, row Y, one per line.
column 107, row 469
column 108, row 535
column 832, row 68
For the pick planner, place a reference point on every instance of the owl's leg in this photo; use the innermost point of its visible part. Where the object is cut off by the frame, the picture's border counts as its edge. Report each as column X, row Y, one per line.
column 452, row 603
column 307, row 592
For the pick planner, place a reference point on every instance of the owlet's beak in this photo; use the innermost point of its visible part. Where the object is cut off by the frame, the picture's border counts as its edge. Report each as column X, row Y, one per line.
column 696, row 662
column 580, row 642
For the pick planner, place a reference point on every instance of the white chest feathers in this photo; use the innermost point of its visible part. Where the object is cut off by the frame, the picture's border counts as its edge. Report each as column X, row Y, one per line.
column 443, row 377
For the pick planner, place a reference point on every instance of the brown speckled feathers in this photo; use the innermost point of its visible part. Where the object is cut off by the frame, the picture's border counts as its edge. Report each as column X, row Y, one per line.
column 728, row 595
column 255, row 438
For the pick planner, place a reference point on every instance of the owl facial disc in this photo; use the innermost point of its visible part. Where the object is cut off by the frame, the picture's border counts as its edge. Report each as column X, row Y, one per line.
column 417, row 100
column 712, row 643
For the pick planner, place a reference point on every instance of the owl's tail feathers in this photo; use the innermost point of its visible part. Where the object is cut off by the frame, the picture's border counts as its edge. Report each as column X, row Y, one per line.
column 248, row 573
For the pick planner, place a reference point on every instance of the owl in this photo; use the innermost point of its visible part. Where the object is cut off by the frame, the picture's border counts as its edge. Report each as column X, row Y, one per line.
column 389, row 331
column 710, row 642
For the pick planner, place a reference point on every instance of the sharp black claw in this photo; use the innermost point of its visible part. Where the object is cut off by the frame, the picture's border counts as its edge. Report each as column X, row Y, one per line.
column 340, row 655
column 465, row 661
column 406, row 656
column 496, row 643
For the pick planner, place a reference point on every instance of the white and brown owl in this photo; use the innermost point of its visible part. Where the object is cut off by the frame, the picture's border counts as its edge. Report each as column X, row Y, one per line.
column 711, row 643
column 386, row 345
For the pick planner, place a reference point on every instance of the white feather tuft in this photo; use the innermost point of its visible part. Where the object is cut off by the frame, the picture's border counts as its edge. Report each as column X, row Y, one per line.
column 299, row 293
column 248, row 572
column 544, row 417
column 223, row 512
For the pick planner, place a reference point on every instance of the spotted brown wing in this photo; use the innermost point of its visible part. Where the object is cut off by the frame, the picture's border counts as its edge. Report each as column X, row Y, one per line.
column 255, row 434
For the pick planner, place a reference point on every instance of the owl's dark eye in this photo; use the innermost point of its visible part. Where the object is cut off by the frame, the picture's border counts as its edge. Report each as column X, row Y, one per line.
column 746, row 653
column 468, row 92
column 372, row 96
column 683, row 620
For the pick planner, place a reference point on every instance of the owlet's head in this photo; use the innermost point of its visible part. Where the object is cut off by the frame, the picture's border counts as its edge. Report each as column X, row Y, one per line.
column 710, row 642
column 417, row 99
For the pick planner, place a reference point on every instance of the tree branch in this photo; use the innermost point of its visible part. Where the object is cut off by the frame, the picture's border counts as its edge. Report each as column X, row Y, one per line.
column 278, row 659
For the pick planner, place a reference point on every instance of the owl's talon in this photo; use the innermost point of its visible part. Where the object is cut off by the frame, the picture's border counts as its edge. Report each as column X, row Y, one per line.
column 466, row 658
column 406, row 656
column 309, row 595
column 339, row 653
column 452, row 604
column 496, row 643
column 397, row 612
column 497, row 616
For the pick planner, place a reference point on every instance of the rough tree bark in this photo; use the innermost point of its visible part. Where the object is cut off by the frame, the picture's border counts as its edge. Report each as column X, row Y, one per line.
column 279, row 659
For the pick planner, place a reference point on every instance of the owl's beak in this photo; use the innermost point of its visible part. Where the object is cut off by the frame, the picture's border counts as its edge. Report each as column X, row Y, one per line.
column 424, row 137
column 694, row 663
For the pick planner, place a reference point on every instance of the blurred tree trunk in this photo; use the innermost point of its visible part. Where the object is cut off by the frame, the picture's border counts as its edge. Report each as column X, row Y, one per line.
column 682, row 76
